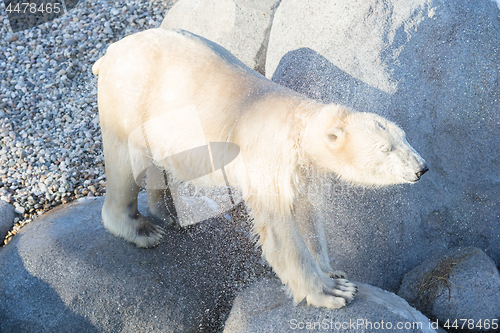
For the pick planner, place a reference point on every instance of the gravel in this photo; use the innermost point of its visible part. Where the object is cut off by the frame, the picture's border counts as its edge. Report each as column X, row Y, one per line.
column 50, row 140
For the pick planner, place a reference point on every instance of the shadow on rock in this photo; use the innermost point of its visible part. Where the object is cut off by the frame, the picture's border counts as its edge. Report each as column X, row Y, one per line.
column 26, row 299
column 185, row 284
column 308, row 72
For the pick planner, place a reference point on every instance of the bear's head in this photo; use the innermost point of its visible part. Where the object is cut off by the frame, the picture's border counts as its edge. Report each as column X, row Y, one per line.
column 361, row 148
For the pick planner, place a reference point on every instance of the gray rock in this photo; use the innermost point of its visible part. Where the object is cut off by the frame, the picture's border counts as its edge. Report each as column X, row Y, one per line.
column 433, row 67
column 7, row 216
column 70, row 42
column 462, row 283
column 19, row 209
column 265, row 307
column 242, row 27
column 64, row 272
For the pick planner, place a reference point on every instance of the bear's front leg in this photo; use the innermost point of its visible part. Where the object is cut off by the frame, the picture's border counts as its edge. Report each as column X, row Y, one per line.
column 120, row 215
column 285, row 250
column 310, row 224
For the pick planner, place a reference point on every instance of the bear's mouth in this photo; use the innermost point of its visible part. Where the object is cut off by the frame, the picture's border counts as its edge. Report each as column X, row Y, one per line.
column 417, row 175
column 412, row 181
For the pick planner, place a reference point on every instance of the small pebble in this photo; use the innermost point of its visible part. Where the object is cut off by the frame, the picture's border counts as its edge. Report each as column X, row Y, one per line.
column 19, row 209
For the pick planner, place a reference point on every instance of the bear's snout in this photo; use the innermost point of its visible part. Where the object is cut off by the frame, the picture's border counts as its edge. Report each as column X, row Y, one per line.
column 422, row 171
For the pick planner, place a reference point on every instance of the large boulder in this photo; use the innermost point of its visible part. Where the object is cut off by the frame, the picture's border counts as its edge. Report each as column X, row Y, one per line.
column 7, row 216
column 433, row 67
column 64, row 272
column 241, row 26
column 266, row 307
column 458, row 284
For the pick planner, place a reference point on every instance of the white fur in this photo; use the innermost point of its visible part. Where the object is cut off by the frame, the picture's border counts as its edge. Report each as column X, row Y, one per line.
column 150, row 81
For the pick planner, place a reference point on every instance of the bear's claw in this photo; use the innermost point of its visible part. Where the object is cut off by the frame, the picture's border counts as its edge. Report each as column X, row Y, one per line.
column 337, row 275
column 335, row 294
column 148, row 234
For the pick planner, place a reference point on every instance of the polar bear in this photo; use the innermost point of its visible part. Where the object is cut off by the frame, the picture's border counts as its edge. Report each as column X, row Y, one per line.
column 164, row 92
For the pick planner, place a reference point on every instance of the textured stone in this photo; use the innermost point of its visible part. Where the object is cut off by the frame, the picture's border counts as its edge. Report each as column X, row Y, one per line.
column 461, row 283
column 431, row 66
column 7, row 216
column 265, row 307
column 240, row 26
column 65, row 273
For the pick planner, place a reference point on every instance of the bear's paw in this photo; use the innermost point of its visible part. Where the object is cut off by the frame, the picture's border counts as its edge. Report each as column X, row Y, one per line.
column 334, row 295
column 147, row 234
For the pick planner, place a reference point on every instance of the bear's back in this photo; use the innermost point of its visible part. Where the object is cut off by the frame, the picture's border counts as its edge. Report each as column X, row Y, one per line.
column 158, row 71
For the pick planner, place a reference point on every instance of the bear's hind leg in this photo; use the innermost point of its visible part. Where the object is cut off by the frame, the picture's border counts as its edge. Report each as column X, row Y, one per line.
column 161, row 204
column 120, row 215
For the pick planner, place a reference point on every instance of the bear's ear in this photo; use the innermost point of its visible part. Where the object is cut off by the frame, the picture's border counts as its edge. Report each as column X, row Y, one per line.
column 333, row 134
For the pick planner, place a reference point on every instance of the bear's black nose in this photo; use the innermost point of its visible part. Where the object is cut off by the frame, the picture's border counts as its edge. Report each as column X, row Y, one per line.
column 421, row 172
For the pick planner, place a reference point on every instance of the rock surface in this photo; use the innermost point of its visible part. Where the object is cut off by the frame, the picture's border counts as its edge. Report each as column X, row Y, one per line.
column 7, row 216
column 265, row 307
column 457, row 284
column 431, row 66
column 242, row 27
column 65, row 273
